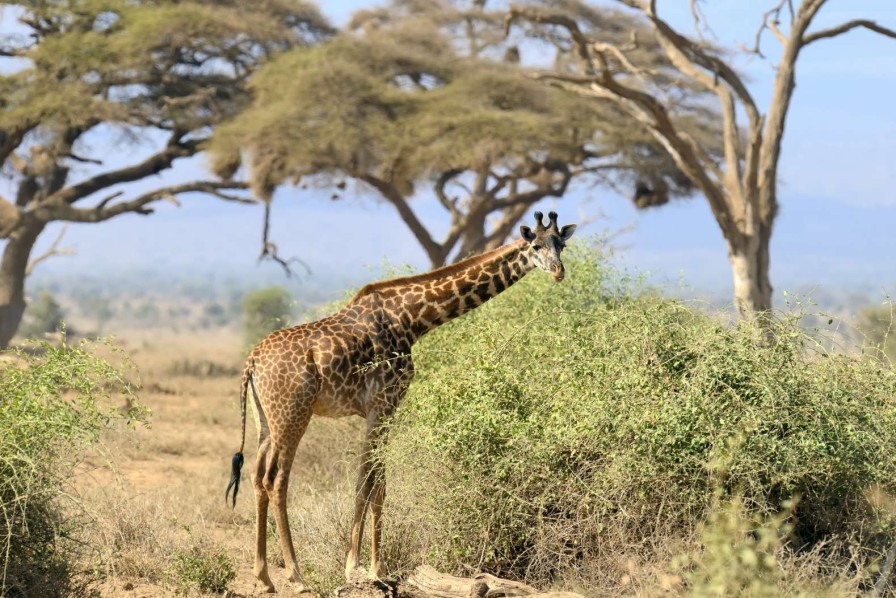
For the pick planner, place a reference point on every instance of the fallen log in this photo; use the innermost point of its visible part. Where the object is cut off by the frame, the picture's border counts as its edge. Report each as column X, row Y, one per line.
column 426, row 582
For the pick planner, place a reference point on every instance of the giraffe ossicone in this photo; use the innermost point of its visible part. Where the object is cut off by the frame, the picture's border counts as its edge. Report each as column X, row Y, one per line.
column 324, row 368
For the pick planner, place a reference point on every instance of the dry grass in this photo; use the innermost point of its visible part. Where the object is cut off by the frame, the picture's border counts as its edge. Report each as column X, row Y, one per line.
column 160, row 489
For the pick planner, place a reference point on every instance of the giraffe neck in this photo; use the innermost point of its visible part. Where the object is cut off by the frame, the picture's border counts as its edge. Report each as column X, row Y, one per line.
column 424, row 302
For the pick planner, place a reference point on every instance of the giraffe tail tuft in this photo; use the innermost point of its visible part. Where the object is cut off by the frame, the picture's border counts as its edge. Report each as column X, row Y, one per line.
column 236, row 467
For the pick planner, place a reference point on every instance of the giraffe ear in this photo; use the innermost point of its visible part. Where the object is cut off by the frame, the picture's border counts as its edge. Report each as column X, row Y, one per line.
column 567, row 231
column 527, row 233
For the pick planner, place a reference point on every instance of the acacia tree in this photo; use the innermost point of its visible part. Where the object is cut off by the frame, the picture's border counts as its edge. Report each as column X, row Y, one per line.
column 430, row 94
column 86, row 70
column 742, row 188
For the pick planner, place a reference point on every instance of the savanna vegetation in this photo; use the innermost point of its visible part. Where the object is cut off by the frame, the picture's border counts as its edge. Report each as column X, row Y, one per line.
column 593, row 436
column 590, row 436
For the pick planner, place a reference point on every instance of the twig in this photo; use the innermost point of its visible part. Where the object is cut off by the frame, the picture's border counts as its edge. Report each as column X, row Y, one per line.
column 52, row 251
column 269, row 249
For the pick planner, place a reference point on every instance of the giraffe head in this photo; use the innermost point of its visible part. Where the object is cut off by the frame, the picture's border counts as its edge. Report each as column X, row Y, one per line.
column 545, row 243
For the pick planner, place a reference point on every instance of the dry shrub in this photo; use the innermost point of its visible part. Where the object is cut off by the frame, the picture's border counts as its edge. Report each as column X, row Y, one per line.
column 565, row 430
column 321, row 520
column 53, row 405
column 133, row 537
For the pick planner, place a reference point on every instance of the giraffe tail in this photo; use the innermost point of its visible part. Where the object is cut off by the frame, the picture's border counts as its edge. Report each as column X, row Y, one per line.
column 236, row 464
column 235, row 467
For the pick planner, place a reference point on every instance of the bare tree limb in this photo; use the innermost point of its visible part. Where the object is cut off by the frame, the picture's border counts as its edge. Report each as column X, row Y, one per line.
column 502, row 229
column 54, row 250
column 528, row 198
column 269, row 249
column 175, row 148
column 686, row 55
column 445, row 178
column 543, row 18
column 12, row 139
column 848, row 26
column 78, row 158
column 770, row 19
column 617, row 53
column 139, row 205
column 647, row 110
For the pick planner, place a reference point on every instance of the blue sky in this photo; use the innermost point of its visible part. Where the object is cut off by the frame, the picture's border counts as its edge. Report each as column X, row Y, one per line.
column 838, row 192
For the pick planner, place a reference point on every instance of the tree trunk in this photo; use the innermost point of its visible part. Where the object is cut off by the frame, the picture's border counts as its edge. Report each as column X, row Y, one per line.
column 13, row 265
column 749, row 257
column 472, row 240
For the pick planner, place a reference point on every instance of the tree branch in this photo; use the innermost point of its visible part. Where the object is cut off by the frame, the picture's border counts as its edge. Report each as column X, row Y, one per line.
column 504, row 226
column 445, row 178
column 174, row 149
column 769, row 151
column 139, row 205
column 11, row 139
column 269, row 249
column 82, row 159
column 527, row 198
column 54, row 250
column 848, row 26
column 770, row 19
column 543, row 18
column 651, row 113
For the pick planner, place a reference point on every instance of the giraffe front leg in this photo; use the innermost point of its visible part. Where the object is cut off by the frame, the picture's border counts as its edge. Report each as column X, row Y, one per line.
column 362, row 496
column 377, row 497
column 364, row 490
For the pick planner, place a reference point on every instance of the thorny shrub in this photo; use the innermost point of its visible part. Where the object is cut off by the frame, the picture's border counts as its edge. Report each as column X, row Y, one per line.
column 565, row 425
column 54, row 402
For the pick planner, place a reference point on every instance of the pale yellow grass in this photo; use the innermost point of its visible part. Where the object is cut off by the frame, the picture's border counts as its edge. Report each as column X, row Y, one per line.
column 159, row 488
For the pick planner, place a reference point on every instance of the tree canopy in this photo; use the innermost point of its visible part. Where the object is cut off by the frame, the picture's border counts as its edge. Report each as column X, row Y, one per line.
column 431, row 95
column 152, row 70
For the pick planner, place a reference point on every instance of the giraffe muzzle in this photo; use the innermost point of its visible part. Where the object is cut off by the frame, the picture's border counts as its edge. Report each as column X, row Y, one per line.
column 558, row 272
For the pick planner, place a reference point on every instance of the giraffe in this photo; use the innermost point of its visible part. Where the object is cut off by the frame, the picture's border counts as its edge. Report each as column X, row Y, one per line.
column 358, row 362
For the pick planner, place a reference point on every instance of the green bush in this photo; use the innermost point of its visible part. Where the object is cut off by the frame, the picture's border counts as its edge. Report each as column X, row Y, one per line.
column 52, row 407
column 264, row 311
column 202, row 567
column 42, row 316
column 573, row 423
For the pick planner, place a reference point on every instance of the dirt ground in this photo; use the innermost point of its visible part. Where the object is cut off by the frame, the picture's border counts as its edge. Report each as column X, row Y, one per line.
column 159, row 489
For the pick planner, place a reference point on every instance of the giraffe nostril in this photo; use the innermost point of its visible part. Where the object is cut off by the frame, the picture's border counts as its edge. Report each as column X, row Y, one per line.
column 558, row 272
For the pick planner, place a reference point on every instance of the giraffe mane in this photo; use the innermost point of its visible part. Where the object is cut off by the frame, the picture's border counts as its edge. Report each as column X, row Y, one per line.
column 438, row 273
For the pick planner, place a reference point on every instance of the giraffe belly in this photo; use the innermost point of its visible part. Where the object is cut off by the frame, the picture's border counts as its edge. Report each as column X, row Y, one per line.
column 330, row 404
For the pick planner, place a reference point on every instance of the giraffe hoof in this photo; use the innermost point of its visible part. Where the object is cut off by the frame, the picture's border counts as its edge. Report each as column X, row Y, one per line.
column 356, row 575
column 374, row 575
column 297, row 584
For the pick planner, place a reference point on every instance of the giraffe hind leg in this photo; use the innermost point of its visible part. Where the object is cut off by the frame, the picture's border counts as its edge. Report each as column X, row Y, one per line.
column 260, row 569
column 276, row 484
column 286, row 432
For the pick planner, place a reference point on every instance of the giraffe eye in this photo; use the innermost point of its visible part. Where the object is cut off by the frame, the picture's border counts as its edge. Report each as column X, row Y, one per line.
column 537, row 247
